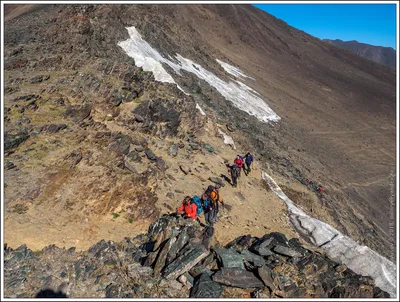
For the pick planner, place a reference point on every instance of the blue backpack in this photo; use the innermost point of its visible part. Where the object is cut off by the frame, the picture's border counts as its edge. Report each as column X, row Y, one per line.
column 197, row 201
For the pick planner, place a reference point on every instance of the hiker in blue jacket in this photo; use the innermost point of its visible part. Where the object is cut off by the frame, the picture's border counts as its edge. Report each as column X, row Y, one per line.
column 248, row 159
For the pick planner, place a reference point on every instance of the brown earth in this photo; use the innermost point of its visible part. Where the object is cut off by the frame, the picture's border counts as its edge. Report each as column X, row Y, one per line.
column 338, row 123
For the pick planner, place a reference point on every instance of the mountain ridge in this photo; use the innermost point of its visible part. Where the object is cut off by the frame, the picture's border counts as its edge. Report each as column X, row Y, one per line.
column 379, row 54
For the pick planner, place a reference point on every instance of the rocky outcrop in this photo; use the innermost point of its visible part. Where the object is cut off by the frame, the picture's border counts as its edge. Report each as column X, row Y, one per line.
column 176, row 260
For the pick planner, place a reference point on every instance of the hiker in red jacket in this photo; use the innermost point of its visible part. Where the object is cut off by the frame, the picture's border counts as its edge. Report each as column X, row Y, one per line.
column 187, row 209
column 239, row 163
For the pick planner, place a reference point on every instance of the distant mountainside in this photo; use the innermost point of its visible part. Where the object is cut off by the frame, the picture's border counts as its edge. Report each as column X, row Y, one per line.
column 382, row 55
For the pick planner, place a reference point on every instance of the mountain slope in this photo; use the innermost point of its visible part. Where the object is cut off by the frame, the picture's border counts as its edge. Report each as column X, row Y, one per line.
column 337, row 124
column 382, row 55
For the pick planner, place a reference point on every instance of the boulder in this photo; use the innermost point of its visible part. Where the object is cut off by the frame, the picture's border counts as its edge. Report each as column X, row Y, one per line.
column 229, row 258
column 9, row 165
column 256, row 260
column 185, row 262
column 181, row 241
column 55, row 128
column 209, row 148
column 162, row 256
column 237, row 277
column 150, row 155
column 205, row 287
column 266, row 276
column 120, row 143
column 199, row 269
column 161, row 164
column 217, row 181
column 14, row 140
column 134, row 156
column 79, row 112
column 242, row 243
column 283, row 250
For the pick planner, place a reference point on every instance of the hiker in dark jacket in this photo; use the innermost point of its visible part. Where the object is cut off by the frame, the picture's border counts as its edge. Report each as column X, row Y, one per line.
column 248, row 159
column 235, row 172
column 208, row 211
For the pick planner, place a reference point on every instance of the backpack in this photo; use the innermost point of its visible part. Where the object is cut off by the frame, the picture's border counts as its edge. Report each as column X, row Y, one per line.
column 197, row 201
column 206, row 204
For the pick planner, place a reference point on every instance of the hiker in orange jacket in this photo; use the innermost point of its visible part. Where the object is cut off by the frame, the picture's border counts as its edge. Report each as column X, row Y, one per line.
column 187, row 209
column 216, row 199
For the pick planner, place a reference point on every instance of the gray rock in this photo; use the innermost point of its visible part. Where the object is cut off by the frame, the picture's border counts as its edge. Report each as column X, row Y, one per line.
column 120, row 143
column 139, row 149
column 256, row 260
column 209, row 148
column 150, row 259
column 205, row 287
column 237, row 277
column 14, row 140
column 181, row 241
column 170, row 195
column 162, row 256
column 9, row 165
column 283, row 250
column 217, row 181
column 194, row 146
column 150, row 155
column 161, row 164
column 230, row 258
column 134, row 156
column 79, row 112
column 199, row 269
column 265, row 274
column 185, row 262
column 263, row 251
column 56, row 128
column 139, row 118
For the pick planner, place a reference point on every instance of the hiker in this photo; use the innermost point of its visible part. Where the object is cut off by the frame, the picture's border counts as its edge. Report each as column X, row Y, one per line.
column 214, row 199
column 235, row 171
column 188, row 209
column 248, row 159
column 208, row 210
column 239, row 162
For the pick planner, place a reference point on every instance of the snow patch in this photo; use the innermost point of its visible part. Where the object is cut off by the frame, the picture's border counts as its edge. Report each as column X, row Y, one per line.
column 241, row 96
column 228, row 140
column 233, row 70
column 201, row 110
column 360, row 259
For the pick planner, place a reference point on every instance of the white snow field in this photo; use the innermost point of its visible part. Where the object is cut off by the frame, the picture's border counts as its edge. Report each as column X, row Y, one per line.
column 233, row 70
column 359, row 258
column 242, row 96
column 228, row 140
